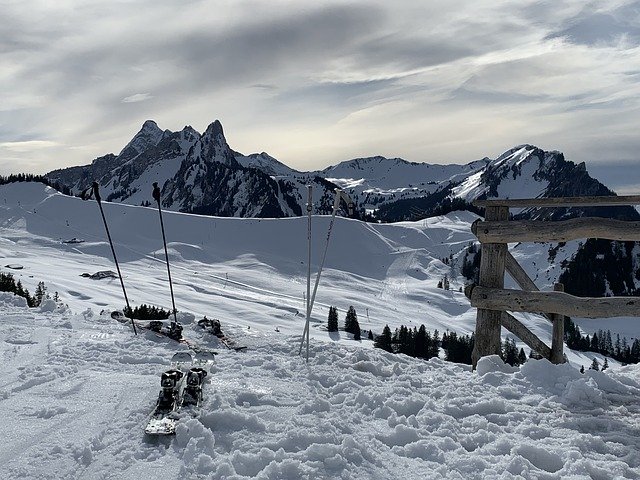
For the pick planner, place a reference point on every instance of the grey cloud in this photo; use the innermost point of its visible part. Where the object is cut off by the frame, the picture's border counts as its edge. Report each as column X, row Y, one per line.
column 315, row 65
column 465, row 94
column 591, row 28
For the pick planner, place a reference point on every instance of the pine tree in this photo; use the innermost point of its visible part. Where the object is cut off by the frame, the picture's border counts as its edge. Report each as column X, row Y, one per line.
column 383, row 341
column 348, row 320
column 332, row 321
column 581, row 368
column 595, row 365
column 605, row 365
column 608, row 343
column 434, row 345
column 635, row 351
column 370, row 337
column 40, row 293
column 510, row 352
column 421, row 348
column 405, row 339
column 351, row 320
column 522, row 357
column 356, row 329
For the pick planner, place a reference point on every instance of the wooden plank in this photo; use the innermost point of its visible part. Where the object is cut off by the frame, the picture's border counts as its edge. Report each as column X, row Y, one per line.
column 608, row 201
column 515, row 270
column 554, row 302
column 557, row 337
column 512, row 324
column 488, row 322
column 563, row 231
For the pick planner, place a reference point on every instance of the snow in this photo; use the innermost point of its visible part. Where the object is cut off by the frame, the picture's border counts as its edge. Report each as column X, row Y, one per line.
column 387, row 179
column 78, row 386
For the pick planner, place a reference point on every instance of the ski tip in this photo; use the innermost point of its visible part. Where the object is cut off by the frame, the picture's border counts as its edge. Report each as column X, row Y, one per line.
column 182, row 357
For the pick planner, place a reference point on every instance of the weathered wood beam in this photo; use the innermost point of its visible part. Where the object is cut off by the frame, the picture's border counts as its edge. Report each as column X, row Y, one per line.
column 553, row 302
column 562, row 231
column 515, row 270
column 512, row 324
column 488, row 322
column 557, row 336
column 608, row 201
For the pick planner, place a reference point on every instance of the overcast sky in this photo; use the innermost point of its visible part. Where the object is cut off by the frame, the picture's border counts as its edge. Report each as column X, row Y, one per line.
column 315, row 83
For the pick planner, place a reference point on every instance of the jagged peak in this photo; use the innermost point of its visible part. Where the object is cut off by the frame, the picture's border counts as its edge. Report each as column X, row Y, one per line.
column 190, row 129
column 150, row 125
column 214, row 129
column 149, row 135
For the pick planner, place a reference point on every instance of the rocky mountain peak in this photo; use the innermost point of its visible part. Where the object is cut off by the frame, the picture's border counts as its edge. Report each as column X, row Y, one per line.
column 148, row 136
column 214, row 130
column 214, row 147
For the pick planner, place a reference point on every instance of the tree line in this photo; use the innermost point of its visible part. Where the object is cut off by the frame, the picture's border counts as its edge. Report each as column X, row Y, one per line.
column 146, row 312
column 9, row 284
column 29, row 177
column 602, row 342
column 418, row 342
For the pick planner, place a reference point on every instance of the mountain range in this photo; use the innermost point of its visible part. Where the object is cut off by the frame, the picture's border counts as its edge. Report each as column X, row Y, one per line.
column 200, row 173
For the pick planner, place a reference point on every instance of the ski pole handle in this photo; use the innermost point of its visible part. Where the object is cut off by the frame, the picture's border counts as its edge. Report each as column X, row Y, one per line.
column 96, row 191
column 156, row 192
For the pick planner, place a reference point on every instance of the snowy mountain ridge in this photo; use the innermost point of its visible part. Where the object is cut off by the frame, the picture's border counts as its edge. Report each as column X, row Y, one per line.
column 201, row 173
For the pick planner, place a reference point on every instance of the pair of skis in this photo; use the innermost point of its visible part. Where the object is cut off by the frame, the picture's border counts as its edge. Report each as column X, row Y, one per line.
column 213, row 326
column 175, row 327
column 180, row 393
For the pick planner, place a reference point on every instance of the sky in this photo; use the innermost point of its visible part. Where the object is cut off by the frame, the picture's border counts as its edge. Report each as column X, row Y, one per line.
column 316, row 83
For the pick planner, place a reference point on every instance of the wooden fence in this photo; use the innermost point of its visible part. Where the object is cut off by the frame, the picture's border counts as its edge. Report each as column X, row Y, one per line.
column 494, row 301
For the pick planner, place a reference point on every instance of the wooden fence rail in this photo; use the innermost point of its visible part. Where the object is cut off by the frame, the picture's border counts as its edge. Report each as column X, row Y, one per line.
column 554, row 302
column 562, row 231
column 494, row 301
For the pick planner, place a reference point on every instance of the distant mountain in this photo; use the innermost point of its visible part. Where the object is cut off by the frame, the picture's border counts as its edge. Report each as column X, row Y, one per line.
column 529, row 172
column 200, row 173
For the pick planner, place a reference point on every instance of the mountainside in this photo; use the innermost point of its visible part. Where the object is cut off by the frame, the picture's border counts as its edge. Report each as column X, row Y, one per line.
column 528, row 172
column 200, row 173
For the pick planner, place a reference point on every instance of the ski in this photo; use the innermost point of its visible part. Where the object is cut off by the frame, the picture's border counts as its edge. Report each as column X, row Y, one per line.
column 164, row 329
column 172, row 330
column 163, row 419
column 213, row 326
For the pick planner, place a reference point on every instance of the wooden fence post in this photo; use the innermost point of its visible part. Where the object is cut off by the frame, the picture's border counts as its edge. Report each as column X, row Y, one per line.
column 557, row 339
column 492, row 265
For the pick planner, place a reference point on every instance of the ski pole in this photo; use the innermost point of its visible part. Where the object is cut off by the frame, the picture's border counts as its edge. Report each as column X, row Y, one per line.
column 156, row 196
column 305, row 333
column 96, row 193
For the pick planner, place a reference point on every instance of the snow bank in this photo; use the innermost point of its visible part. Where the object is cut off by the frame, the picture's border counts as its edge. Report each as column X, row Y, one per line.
column 349, row 413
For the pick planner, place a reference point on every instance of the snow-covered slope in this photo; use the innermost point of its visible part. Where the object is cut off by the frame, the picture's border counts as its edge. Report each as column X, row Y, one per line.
column 377, row 180
column 77, row 389
column 252, row 272
column 265, row 162
column 77, row 386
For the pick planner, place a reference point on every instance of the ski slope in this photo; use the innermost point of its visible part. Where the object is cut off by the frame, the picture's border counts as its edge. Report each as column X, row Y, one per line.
column 77, row 386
